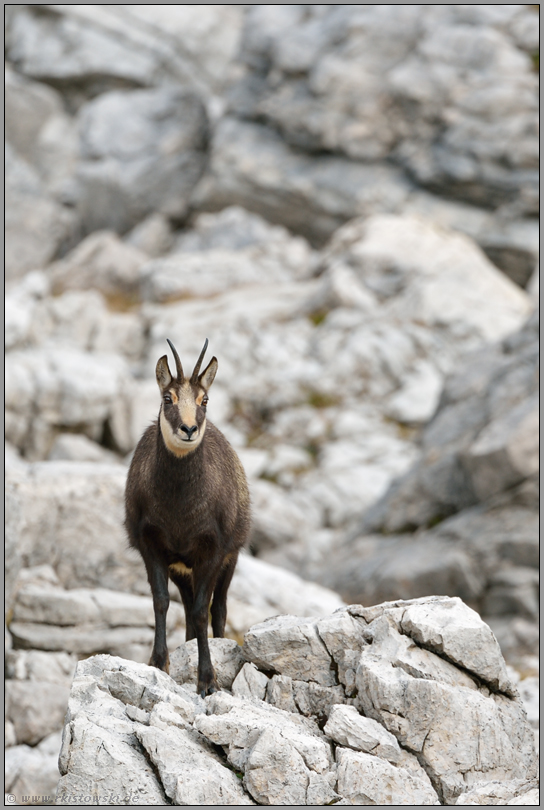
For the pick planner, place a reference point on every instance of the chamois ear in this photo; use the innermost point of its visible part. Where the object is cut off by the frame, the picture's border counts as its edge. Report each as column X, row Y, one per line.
column 208, row 375
column 162, row 372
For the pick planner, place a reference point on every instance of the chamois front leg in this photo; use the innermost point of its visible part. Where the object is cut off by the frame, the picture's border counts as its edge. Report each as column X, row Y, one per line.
column 203, row 583
column 157, row 574
column 185, row 586
column 219, row 604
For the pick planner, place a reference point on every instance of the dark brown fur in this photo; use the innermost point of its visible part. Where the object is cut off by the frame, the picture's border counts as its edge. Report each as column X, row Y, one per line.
column 192, row 510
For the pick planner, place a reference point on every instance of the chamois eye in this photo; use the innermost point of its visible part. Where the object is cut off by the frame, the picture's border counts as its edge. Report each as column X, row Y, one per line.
column 167, row 399
column 204, row 402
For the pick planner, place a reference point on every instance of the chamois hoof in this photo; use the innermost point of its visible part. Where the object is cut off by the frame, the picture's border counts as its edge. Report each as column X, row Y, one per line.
column 204, row 690
column 160, row 662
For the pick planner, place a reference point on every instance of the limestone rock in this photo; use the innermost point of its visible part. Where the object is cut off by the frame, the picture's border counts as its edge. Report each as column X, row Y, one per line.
column 36, row 225
column 250, row 682
column 227, row 660
column 290, row 646
column 364, row 779
column 252, row 166
column 126, row 46
column 142, row 151
column 190, row 770
column 103, row 262
column 305, row 74
column 515, row 791
column 239, row 748
column 346, row 727
column 388, row 684
column 36, row 708
column 34, row 771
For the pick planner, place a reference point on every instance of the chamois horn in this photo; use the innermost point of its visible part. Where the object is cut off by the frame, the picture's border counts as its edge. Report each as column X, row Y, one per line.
column 179, row 368
column 196, row 369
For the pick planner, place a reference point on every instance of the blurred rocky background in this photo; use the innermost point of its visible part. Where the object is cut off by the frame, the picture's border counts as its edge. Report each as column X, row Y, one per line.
column 344, row 200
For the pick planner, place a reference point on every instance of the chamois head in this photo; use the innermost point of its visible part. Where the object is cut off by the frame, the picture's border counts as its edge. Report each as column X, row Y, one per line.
column 182, row 416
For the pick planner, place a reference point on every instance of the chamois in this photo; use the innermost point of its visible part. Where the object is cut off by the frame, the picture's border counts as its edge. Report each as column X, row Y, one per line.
column 187, row 511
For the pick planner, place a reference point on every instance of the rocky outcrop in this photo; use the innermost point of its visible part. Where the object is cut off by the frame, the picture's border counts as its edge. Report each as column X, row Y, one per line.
column 321, row 710
column 430, row 99
column 479, row 462
column 329, row 194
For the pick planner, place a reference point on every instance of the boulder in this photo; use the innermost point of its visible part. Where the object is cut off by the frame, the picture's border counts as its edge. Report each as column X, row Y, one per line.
column 394, row 659
column 252, row 166
column 37, row 227
column 33, row 771
column 36, row 708
column 101, row 262
column 86, row 50
column 416, row 88
column 141, row 151
column 74, row 389
column 480, row 442
column 44, row 135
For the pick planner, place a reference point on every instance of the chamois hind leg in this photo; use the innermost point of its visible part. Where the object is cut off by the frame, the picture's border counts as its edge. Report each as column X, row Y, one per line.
column 219, row 604
column 157, row 574
column 185, row 587
column 204, row 580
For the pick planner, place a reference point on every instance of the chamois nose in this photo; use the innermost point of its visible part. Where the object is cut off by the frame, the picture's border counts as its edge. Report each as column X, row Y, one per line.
column 189, row 430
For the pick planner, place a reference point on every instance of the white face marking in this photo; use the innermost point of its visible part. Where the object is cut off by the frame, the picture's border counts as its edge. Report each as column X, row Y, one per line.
column 174, row 441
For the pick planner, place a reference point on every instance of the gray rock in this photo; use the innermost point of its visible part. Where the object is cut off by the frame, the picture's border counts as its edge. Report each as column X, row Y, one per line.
column 279, row 693
column 403, row 567
column 398, row 695
column 279, row 643
column 227, row 660
column 34, row 771
column 250, row 683
column 346, row 727
column 28, row 107
column 75, row 389
column 362, row 779
column 152, row 236
column 511, row 244
column 77, row 606
column 515, row 791
column 103, row 262
column 252, row 166
column 36, row 708
column 313, row 700
column 67, row 506
column 512, row 591
column 450, row 628
column 142, row 151
column 281, row 757
column 236, row 723
column 37, row 227
column 189, row 769
column 364, row 82
column 126, row 776
column 87, row 50
column 529, row 692
column 506, row 450
column 207, row 273
column 35, row 665
column 76, row 447
column 12, row 552
column 235, row 228
column 465, row 459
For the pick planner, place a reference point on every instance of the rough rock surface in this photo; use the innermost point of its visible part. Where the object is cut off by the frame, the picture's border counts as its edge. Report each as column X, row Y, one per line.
column 305, row 69
column 404, row 135
column 141, row 151
column 479, row 462
column 386, row 664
